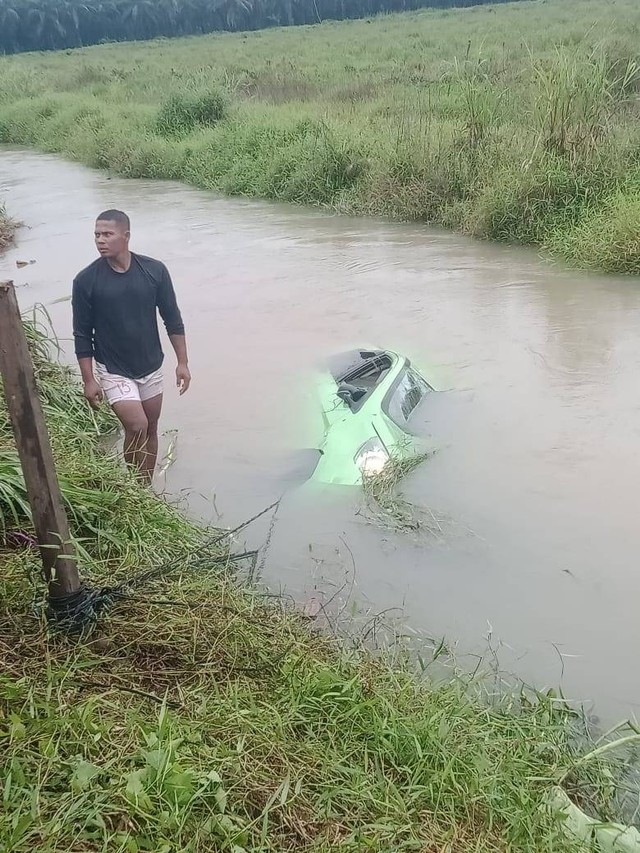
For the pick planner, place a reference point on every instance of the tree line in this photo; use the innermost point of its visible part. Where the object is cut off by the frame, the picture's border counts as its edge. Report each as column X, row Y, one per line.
column 59, row 24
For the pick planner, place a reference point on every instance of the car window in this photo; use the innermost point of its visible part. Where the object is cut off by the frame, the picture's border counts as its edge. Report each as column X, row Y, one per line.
column 406, row 396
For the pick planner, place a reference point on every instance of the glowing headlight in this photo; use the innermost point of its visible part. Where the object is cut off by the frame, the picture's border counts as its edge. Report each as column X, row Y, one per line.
column 371, row 458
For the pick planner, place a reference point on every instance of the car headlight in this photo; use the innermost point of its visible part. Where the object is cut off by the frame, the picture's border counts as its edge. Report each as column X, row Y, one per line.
column 371, row 458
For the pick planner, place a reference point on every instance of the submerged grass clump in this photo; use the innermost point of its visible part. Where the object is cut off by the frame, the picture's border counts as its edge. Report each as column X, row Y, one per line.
column 387, row 507
column 203, row 715
column 7, row 229
column 517, row 122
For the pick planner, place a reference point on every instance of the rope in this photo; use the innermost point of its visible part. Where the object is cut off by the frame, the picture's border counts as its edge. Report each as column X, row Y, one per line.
column 77, row 612
column 176, row 562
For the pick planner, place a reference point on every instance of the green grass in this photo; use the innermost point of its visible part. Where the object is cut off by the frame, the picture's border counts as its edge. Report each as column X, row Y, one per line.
column 204, row 715
column 220, row 723
column 516, row 122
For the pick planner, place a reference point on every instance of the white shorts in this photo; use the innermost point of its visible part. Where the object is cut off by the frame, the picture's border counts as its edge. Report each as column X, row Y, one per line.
column 119, row 388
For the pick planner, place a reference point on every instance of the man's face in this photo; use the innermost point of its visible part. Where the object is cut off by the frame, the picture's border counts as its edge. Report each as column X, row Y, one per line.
column 111, row 238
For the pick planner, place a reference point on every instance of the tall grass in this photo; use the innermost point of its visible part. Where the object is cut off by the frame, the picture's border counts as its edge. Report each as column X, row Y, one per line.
column 517, row 122
column 183, row 113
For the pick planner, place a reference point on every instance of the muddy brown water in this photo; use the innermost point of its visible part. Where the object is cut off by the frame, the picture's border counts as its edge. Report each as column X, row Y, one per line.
column 536, row 483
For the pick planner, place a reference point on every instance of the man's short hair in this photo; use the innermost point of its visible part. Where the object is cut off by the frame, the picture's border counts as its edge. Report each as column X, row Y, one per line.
column 115, row 216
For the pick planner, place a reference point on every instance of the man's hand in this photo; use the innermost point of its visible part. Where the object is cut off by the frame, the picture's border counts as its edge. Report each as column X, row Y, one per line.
column 183, row 378
column 93, row 393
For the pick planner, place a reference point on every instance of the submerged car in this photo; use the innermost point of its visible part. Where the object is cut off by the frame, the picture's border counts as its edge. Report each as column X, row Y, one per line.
column 368, row 398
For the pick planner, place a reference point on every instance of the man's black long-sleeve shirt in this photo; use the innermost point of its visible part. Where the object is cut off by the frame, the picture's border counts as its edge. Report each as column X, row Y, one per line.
column 114, row 315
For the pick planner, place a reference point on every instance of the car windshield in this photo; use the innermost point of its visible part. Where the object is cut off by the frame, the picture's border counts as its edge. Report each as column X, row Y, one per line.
column 406, row 396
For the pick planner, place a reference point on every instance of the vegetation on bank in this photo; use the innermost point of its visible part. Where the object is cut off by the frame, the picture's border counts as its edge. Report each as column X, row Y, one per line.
column 7, row 229
column 516, row 122
column 203, row 715
column 58, row 24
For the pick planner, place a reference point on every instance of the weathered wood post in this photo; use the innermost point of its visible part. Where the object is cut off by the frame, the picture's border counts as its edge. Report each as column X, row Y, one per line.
column 34, row 450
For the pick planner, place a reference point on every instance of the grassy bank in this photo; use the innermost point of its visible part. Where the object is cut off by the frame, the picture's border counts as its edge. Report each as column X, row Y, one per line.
column 202, row 715
column 516, row 122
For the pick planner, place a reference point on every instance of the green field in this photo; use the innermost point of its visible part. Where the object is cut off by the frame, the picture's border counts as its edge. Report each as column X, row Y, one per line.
column 515, row 122
column 203, row 716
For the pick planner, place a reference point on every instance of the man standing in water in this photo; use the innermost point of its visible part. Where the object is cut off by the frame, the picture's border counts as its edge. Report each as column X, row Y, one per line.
column 114, row 303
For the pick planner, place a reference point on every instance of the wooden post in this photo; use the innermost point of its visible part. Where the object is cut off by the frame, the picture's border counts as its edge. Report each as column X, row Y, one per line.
column 34, row 450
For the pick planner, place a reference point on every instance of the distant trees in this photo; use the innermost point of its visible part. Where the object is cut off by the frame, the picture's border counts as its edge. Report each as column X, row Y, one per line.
column 58, row 24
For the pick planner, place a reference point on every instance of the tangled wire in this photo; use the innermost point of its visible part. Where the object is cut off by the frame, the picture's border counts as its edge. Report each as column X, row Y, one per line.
column 78, row 612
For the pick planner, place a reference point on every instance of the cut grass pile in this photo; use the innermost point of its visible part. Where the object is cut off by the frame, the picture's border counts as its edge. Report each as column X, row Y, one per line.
column 387, row 507
column 516, row 122
column 203, row 715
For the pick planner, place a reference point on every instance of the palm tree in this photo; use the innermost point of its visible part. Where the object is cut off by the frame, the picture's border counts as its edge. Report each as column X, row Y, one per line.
column 9, row 26
column 56, row 24
column 140, row 19
column 42, row 28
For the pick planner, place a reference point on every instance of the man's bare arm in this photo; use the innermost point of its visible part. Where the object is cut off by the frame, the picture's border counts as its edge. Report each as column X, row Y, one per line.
column 92, row 390
column 183, row 376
